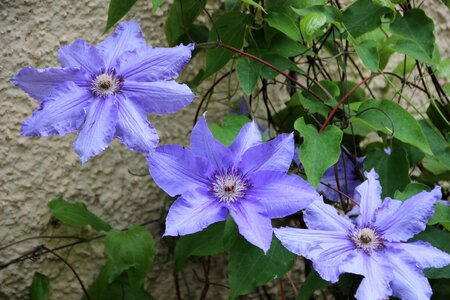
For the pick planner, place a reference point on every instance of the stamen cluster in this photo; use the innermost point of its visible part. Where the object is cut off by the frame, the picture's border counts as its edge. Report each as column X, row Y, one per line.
column 230, row 186
column 367, row 239
column 107, row 83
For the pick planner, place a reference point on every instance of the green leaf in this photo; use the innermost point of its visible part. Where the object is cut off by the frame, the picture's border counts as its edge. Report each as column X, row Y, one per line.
column 76, row 214
column 368, row 53
column 130, row 251
column 117, row 10
column 332, row 14
column 363, row 16
column 385, row 3
column 247, row 71
column 312, row 283
column 439, row 146
column 319, row 151
column 393, row 169
column 286, row 47
column 441, row 216
column 281, row 16
column 156, row 4
column 253, row 3
column 209, row 241
column 231, row 27
column 443, row 69
column 411, row 189
column 182, row 14
column 383, row 115
column 447, row 3
column 438, row 239
column 40, row 287
column 440, row 114
column 249, row 267
column 232, row 124
column 413, row 35
column 312, row 23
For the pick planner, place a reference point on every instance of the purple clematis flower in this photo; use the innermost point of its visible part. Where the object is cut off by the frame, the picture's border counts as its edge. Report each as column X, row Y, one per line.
column 373, row 245
column 248, row 180
column 106, row 91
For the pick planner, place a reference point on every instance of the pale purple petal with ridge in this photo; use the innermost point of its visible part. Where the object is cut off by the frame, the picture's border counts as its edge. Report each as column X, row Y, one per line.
column 176, row 170
column 193, row 212
column 59, row 114
column 321, row 216
column 154, row 64
column 81, row 55
column 274, row 155
column 409, row 218
column 253, row 222
column 376, row 271
column 98, row 128
column 248, row 137
column 127, row 37
column 159, row 97
column 133, row 127
column 281, row 194
column 425, row 255
column 408, row 282
column 204, row 144
column 39, row 83
column 368, row 194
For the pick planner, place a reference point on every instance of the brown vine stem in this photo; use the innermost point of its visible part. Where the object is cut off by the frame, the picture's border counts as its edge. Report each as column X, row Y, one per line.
column 41, row 237
column 71, row 268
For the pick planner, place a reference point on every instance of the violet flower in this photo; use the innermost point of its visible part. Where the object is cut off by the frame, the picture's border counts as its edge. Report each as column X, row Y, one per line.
column 106, row 91
column 247, row 180
column 373, row 245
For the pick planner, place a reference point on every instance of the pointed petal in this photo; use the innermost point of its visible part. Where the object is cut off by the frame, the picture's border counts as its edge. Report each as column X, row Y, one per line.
column 253, row 222
column 204, row 144
column 133, row 128
column 377, row 274
column 160, row 97
column 81, row 55
column 248, row 137
column 409, row 218
column 281, row 194
column 155, row 64
column 425, row 255
column 59, row 114
column 176, row 170
column 127, row 37
column 275, row 155
column 193, row 212
column 321, row 216
column 369, row 195
column 98, row 129
column 409, row 282
column 39, row 83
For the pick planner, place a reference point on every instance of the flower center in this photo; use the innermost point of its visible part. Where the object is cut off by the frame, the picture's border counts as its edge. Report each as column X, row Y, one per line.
column 106, row 84
column 367, row 239
column 230, row 186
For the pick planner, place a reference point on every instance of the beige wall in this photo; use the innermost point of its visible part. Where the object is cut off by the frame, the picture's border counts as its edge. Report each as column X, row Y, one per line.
column 35, row 170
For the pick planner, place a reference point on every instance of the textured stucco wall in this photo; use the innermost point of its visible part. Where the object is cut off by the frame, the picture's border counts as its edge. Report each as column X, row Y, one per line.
column 35, row 170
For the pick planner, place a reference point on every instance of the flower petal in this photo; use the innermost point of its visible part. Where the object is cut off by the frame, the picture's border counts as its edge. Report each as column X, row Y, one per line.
column 176, row 170
column 409, row 282
column 275, row 155
column 155, row 64
column 39, row 83
column 59, row 114
column 248, row 137
column 193, row 212
column 82, row 55
column 160, row 97
column 98, row 129
column 321, row 216
column 127, row 37
column 425, row 255
column 410, row 217
column 253, row 222
column 368, row 194
column 133, row 128
column 281, row 194
column 377, row 274
column 204, row 144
